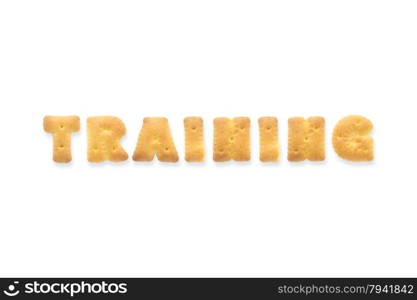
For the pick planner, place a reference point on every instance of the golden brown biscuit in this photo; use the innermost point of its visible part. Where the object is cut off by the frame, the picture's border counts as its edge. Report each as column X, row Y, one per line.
column 351, row 139
column 155, row 138
column 104, row 135
column 268, row 139
column 306, row 139
column 61, row 128
column 231, row 139
column 194, row 139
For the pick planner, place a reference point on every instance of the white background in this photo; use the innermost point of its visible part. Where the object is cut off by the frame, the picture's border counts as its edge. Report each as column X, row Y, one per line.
column 134, row 59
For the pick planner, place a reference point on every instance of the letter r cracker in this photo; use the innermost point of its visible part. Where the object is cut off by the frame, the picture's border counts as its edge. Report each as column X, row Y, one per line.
column 104, row 134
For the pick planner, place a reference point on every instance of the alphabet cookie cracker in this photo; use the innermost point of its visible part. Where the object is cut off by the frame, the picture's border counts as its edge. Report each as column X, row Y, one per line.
column 231, row 139
column 268, row 139
column 61, row 128
column 104, row 135
column 155, row 138
column 194, row 140
column 351, row 139
column 306, row 139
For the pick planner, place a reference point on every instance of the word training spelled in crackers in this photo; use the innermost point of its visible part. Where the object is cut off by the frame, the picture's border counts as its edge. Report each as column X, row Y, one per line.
column 232, row 140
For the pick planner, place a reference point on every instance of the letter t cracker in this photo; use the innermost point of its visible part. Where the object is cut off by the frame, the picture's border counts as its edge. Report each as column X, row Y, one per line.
column 61, row 128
